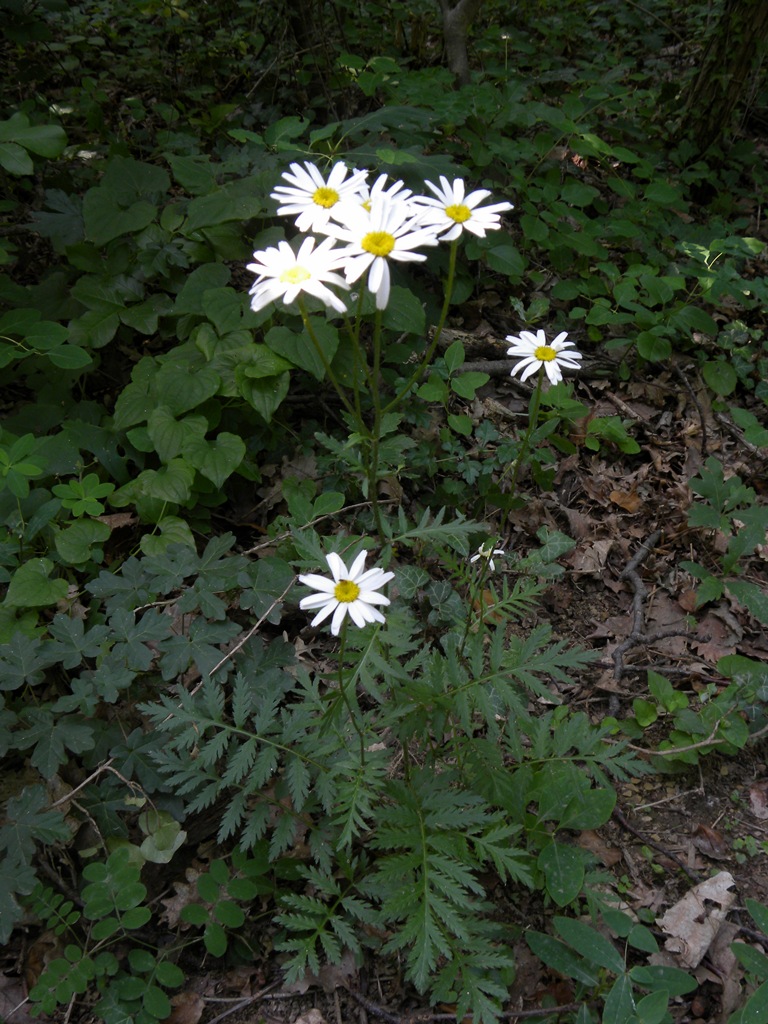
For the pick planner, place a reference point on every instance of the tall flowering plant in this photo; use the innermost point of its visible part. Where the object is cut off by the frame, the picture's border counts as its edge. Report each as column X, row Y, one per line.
column 368, row 228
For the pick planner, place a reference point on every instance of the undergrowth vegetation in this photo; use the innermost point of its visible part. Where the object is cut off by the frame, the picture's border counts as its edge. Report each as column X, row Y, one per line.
column 174, row 452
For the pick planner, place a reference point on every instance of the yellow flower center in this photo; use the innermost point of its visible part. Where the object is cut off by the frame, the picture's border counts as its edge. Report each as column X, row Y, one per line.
column 295, row 275
column 545, row 353
column 325, row 197
column 379, row 243
column 458, row 212
column 346, row 591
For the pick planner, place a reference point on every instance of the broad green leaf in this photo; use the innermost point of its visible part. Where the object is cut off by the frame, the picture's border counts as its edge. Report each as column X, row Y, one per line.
column 720, row 376
column 143, row 316
column 173, row 530
column 218, row 459
column 660, row 192
column 751, row 959
column 652, row 1009
column 196, row 173
column 300, row 349
column 588, row 808
column 454, row 356
column 169, row 435
column 183, row 388
column 191, row 297
column 15, row 160
column 170, row 483
column 105, row 220
column 75, row 543
column 224, row 308
column 46, row 140
column 96, row 327
column 755, row 1010
column 30, row 586
column 562, row 958
column 590, row 943
column 677, row 982
column 219, row 207
column 70, row 357
column 466, row 384
column 404, row 312
column 757, row 911
column 263, row 362
column 619, row 1005
column 563, row 869
column 506, row 259
column 131, row 179
column 644, row 711
column 215, row 939
column 692, row 318
column 283, row 130
column 753, row 597
column 460, row 423
column 266, row 394
column 653, row 347
column 642, row 938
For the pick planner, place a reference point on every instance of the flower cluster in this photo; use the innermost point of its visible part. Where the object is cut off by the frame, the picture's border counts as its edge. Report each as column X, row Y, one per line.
column 373, row 224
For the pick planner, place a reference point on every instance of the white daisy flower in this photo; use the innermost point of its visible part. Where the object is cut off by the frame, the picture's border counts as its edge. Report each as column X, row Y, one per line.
column 313, row 197
column 351, row 592
column 452, row 212
column 536, row 351
column 395, row 190
column 386, row 231
column 283, row 274
column 487, row 551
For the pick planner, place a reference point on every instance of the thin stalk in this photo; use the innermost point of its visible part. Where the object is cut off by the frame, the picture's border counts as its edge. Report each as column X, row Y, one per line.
column 345, row 695
column 438, row 331
column 373, row 468
column 533, row 417
column 326, row 365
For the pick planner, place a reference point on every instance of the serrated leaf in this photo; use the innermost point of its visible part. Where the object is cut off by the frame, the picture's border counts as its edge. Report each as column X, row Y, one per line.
column 753, row 597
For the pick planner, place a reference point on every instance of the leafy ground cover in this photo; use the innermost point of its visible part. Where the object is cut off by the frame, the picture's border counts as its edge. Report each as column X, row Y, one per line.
column 496, row 799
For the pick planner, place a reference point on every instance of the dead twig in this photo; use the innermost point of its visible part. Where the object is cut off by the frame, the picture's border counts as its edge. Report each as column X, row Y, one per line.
column 636, row 634
column 619, row 817
column 426, row 1017
column 684, row 380
column 244, row 639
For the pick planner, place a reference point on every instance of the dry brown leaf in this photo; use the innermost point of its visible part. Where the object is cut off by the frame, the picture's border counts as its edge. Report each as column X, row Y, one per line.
column 187, row 1008
column 630, row 501
column 591, row 558
column 607, row 855
column 711, row 843
column 758, row 799
column 312, row 1016
column 694, row 921
column 12, row 996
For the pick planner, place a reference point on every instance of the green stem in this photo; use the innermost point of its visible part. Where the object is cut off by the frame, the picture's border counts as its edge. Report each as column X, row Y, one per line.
column 373, row 467
column 345, row 695
column 326, row 365
column 533, row 416
column 438, row 331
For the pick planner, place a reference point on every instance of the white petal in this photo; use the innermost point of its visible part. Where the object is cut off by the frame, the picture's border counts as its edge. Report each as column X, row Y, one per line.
column 338, row 618
column 324, row 612
column 316, row 601
column 357, row 567
column 337, row 567
column 320, row 583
